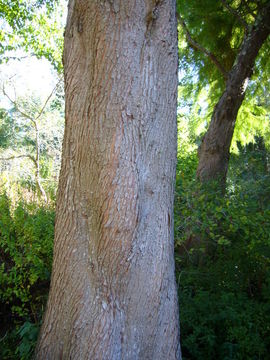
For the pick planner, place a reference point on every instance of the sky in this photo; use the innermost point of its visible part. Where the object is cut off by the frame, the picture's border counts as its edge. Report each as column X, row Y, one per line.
column 30, row 75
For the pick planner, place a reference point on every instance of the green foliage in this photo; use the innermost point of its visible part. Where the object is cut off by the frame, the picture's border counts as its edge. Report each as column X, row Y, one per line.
column 220, row 32
column 7, row 129
column 19, row 343
column 33, row 26
column 28, row 333
column 223, row 258
column 26, row 241
column 210, row 26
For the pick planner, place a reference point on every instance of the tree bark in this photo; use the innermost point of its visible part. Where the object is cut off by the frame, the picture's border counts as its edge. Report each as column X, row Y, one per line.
column 113, row 292
column 214, row 152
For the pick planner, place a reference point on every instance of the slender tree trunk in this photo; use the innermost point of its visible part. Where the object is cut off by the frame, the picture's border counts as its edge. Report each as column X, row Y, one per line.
column 113, row 292
column 214, row 152
column 40, row 188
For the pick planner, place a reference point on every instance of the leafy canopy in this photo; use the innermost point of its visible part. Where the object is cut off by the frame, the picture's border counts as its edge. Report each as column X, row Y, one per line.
column 33, row 26
column 219, row 28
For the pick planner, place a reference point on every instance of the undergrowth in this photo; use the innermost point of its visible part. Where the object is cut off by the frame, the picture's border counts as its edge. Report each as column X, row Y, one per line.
column 26, row 240
column 222, row 261
column 222, row 264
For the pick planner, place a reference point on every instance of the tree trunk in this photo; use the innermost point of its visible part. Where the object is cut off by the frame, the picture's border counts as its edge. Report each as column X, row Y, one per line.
column 113, row 292
column 214, row 152
column 40, row 188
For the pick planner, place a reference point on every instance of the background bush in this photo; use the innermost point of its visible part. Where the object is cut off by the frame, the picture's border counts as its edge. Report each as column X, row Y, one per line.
column 26, row 244
column 222, row 258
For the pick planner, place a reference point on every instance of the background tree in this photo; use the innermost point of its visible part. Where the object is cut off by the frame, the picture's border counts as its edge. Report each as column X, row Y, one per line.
column 25, row 136
column 234, row 48
column 113, row 292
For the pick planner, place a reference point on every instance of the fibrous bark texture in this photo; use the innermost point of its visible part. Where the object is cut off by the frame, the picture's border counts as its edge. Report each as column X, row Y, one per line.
column 113, row 292
column 214, row 152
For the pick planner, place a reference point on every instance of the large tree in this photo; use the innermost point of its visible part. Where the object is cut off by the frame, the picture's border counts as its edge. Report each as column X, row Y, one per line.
column 214, row 151
column 113, row 292
column 229, row 38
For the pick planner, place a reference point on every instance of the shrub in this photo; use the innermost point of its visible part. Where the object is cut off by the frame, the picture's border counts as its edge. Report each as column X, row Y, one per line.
column 26, row 245
column 222, row 260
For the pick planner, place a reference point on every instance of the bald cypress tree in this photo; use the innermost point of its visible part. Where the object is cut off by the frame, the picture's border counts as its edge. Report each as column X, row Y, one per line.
column 113, row 292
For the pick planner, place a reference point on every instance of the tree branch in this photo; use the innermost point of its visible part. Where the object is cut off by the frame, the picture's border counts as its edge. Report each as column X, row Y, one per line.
column 18, row 157
column 200, row 48
column 235, row 13
column 19, row 58
column 33, row 120
column 13, row 102
column 48, row 99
